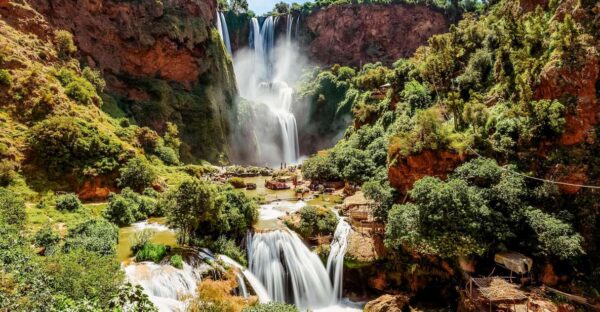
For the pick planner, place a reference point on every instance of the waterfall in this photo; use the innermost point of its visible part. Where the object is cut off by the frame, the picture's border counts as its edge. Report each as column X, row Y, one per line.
column 259, row 289
column 289, row 271
column 223, row 30
column 265, row 78
column 335, row 261
column 166, row 286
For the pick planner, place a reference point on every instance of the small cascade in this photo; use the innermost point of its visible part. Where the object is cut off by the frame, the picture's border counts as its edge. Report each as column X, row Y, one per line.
column 259, row 289
column 289, row 271
column 335, row 261
column 223, row 30
column 166, row 286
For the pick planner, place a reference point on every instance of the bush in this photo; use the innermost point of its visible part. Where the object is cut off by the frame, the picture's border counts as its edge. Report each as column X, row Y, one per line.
column 94, row 77
column 271, row 307
column 64, row 145
column 319, row 168
column 141, row 238
column 136, row 174
column 46, row 237
column 68, row 202
column 7, row 172
column 12, row 209
column 151, row 252
column 237, row 182
column 317, row 221
column 5, row 77
column 167, row 155
column 64, row 43
column 227, row 247
column 128, row 207
column 82, row 92
column 95, row 235
column 177, row 261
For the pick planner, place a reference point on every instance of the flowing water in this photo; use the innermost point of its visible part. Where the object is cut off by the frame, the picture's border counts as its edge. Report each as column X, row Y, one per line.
column 289, row 271
column 264, row 74
column 223, row 30
column 335, row 261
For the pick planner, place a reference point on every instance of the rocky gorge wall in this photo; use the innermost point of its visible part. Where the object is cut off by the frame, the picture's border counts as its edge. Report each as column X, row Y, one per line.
column 359, row 34
column 162, row 61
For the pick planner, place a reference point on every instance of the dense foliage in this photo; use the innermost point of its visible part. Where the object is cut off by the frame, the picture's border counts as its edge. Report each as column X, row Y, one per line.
column 129, row 207
column 316, row 221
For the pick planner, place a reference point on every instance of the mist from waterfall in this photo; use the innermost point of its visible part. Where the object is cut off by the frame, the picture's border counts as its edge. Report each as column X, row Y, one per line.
column 265, row 72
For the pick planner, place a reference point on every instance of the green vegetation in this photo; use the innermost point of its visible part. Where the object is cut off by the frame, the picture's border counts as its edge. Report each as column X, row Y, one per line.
column 237, row 182
column 68, row 202
column 136, row 174
column 129, row 207
column 151, row 252
column 95, row 235
column 200, row 209
column 316, row 221
column 176, row 261
column 271, row 307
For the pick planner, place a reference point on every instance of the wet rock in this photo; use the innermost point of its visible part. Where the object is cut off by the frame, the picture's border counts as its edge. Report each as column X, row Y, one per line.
column 388, row 303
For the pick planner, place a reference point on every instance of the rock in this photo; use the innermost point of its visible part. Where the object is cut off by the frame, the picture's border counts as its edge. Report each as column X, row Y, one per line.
column 408, row 170
column 364, row 247
column 355, row 35
column 387, row 303
column 97, row 189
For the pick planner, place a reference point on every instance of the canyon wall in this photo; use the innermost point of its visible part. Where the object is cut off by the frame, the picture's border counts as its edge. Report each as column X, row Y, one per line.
column 162, row 61
column 359, row 34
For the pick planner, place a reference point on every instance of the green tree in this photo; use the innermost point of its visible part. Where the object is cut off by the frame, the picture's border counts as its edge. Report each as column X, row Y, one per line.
column 187, row 205
column 68, row 202
column 64, row 44
column 555, row 237
column 12, row 209
column 320, row 168
column 137, row 174
column 317, row 221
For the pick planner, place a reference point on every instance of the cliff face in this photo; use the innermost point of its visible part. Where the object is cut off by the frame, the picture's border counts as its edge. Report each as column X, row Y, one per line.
column 355, row 35
column 162, row 62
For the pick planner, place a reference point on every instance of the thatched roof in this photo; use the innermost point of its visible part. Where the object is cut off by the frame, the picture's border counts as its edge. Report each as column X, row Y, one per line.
column 498, row 290
column 358, row 199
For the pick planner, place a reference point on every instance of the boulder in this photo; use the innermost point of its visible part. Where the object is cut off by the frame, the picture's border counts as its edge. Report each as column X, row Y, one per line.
column 388, row 303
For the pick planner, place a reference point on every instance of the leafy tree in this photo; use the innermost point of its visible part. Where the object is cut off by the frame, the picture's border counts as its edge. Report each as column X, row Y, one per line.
column 187, row 205
column 317, row 221
column 556, row 237
column 129, row 206
column 68, row 202
column 48, row 238
column 235, row 214
column 383, row 196
column 319, row 168
column 132, row 297
column 136, row 174
column 416, row 95
column 94, row 77
column 67, row 145
column 94, row 235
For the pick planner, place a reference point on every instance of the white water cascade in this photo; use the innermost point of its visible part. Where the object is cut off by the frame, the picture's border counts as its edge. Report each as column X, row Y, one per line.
column 264, row 75
column 289, row 271
column 223, row 30
column 335, row 261
column 166, row 286
column 259, row 289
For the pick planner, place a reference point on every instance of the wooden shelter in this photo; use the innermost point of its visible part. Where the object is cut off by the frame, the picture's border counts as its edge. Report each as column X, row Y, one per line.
column 495, row 291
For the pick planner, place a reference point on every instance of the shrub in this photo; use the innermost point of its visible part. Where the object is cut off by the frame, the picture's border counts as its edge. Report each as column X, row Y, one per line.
column 128, row 207
column 320, row 168
column 65, row 145
column 177, row 261
column 5, row 77
column 68, row 202
column 151, row 252
column 416, row 95
column 46, row 237
column 237, row 182
column 82, row 92
column 95, row 235
column 167, row 155
column 12, row 209
column 64, row 43
column 136, row 174
column 7, row 172
column 141, row 238
column 227, row 247
column 94, row 77
column 317, row 221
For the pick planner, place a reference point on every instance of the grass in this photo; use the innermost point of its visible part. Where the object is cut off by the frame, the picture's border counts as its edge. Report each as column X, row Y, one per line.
column 38, row 217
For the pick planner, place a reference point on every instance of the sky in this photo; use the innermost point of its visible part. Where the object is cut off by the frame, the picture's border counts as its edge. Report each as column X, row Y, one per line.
column 261, row 7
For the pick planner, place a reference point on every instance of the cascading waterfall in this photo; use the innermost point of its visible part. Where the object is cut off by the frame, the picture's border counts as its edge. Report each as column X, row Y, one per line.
column 335, row 261
column 223, row 30
column 259, row 289
column 264, row 76
column 289, row 271
column 165, row 285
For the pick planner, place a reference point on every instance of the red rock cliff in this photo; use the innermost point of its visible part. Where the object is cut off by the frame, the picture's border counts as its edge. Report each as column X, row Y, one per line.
column 354, row 35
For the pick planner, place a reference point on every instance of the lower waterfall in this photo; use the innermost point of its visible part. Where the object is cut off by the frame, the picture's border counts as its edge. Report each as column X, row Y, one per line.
column 335, row 261
column 289, row 271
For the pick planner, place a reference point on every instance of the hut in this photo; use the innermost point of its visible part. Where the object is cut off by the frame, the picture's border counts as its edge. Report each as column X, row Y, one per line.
column 490, row 292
